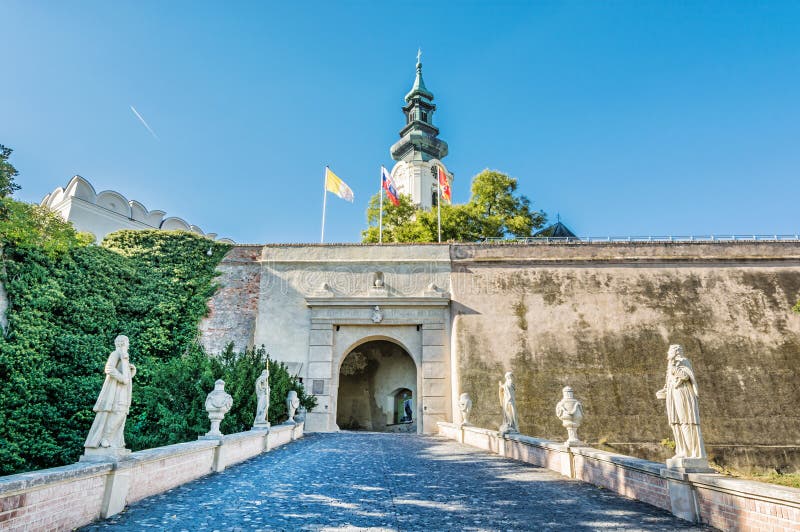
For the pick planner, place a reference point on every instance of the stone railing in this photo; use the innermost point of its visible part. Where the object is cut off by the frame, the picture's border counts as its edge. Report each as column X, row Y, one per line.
column 64, row 498
column 720, row 501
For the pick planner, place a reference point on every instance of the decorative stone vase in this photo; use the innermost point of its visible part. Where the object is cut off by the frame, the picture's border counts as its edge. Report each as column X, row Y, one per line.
column 570, row 411
column 218, row 403
column 292, row 404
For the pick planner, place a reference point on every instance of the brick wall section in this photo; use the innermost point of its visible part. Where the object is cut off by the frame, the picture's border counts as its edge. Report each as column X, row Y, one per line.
column 640, row 485
column 723, row 502
column 152, row 476
column 65, row 498
column 63, row 503
column 240, row 448
column 233, row 309
column 732, row 512
column 540, row 456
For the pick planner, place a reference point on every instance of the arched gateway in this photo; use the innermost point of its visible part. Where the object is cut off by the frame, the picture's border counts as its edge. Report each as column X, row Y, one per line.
column 371, row 359
column 386, row 307
column 377, row 388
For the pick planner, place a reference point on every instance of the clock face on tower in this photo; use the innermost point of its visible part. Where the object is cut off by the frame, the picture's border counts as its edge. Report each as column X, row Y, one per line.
column 402, row 174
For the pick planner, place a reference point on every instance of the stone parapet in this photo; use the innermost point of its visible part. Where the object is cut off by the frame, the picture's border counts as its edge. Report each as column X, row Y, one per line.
column 723, row 502
column 64, row 498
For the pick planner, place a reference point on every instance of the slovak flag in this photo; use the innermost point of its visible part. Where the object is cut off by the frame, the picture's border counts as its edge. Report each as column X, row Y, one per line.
column 444, row 183
column 388, row 186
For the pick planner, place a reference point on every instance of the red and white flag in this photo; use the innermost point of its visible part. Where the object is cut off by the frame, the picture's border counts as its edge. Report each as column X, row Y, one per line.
column 444, row 184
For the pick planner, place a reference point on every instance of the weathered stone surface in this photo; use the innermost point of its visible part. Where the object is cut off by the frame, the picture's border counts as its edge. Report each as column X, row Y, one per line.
column 600, row 317
column 232, row 312
column 388, row 482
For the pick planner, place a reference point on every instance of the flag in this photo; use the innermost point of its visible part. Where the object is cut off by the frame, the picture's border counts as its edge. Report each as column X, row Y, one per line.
column 334, row 184
column 388, row 186
column 444, row 183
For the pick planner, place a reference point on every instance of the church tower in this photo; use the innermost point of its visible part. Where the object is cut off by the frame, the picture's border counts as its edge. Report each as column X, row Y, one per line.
column 419, row 151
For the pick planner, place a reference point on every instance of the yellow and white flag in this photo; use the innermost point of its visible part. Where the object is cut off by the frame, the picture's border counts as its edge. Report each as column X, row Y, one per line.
column 334, row 183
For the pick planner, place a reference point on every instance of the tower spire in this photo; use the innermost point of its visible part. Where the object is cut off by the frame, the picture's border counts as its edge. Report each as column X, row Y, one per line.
column 419, row 151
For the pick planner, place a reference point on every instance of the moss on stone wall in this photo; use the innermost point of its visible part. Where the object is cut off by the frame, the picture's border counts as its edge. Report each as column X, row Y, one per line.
column 605, row 332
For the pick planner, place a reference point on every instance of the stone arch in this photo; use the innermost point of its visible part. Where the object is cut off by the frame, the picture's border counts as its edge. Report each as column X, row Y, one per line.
column 373, row 337
column 369, row 375
column 115, row 202
column 81, row 189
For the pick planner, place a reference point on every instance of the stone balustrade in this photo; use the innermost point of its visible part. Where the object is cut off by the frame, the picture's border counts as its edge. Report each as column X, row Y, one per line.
column 717, row 500
column 64, row 498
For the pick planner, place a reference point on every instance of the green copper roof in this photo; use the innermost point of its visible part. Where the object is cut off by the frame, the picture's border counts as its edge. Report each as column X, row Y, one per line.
column 419, row 88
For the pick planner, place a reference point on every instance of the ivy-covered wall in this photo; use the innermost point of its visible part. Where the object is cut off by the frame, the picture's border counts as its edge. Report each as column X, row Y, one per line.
column 67, row 303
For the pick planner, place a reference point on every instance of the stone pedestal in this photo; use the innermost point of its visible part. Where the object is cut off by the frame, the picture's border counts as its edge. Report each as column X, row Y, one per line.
column 681, row 495
column 261, row 426
column 118, row 484
column 103, row 454
column 689, row 465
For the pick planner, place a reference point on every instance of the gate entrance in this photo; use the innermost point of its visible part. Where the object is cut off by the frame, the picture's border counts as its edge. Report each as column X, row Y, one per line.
column 377, row 389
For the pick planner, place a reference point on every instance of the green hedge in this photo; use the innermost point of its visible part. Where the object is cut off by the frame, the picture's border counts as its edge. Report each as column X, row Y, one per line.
column 69, row 300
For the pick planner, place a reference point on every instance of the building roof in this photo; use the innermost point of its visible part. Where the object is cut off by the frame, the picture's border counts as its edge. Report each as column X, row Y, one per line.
column 556, row 230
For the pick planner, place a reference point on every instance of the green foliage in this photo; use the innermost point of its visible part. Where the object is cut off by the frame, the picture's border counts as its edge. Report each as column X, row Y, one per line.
column 37, row 229
column 171, row 406
column 796, row 308
column 494, row 210
column 7, row 173
column 67, row 302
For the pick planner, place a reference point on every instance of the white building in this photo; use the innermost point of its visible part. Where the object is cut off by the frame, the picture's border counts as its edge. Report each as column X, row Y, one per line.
column 101, row 213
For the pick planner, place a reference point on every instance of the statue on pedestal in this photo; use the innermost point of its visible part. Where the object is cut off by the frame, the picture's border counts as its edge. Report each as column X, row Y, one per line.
column 262, row 401
column 465, row 407
column 508, row 400
column 570, row 411
column 218, row 403
column 683, row 411
column 107, row 435
column 292, row 404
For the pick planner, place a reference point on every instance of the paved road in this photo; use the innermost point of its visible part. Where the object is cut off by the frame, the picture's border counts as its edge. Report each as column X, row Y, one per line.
column 351, row 481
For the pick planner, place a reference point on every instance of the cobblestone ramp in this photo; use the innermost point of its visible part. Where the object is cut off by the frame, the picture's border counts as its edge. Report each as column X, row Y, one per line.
column 357, row 481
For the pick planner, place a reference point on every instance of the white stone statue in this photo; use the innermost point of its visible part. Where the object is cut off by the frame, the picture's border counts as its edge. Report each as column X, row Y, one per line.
column 292, row 404
column 683, row 411
column 262, row 400
column 218, row 403
column 107, row 435
column 508, row 400
column 570, row 411
column 465, row 407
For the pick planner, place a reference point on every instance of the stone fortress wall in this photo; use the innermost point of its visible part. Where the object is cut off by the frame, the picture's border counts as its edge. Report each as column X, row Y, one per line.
column 598, row 317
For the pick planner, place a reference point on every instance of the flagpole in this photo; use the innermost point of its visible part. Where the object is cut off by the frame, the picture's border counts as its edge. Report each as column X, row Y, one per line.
column 439, row 203
column 324, row 201
column 380, row 217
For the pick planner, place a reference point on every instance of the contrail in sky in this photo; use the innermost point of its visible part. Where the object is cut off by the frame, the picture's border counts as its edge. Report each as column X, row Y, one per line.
column 144, row 123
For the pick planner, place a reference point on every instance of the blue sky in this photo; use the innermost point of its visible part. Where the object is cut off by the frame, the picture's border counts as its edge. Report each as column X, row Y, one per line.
column 628, row 118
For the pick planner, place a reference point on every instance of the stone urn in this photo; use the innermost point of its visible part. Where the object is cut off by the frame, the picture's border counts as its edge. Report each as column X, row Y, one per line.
column 218, row 403
column 570, row 411
column 292, row 404
column 465, row 407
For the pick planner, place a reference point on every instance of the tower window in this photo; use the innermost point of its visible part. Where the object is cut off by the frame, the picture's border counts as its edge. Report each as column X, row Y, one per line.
column 424, row 116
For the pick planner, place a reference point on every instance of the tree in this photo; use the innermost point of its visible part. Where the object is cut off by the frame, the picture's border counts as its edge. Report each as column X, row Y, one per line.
column 494, row 210
column 7, row 173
